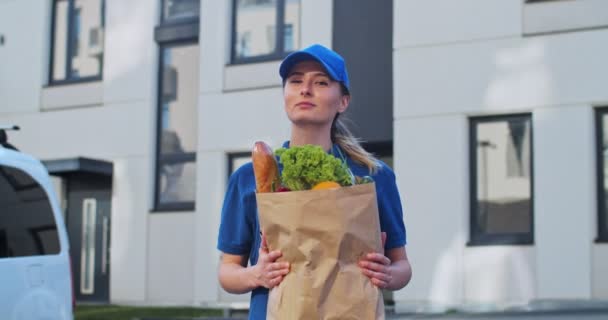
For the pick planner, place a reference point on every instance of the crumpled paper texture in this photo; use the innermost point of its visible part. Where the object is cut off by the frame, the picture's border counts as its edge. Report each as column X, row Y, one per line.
column 323, row 234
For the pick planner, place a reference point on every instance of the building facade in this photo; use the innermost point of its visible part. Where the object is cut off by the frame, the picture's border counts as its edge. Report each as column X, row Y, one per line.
column 490, row 112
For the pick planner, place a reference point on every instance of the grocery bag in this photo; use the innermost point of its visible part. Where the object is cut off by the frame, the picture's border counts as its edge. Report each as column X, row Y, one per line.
column 323, row 234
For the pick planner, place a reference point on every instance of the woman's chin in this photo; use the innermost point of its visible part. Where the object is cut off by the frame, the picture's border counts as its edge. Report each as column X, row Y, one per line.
column 309, row 122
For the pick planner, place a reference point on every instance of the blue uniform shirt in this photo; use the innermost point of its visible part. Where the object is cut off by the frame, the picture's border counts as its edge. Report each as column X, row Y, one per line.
column 239, row 232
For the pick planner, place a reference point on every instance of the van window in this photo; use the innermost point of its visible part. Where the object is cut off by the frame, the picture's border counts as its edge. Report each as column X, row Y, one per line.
column 27, row 224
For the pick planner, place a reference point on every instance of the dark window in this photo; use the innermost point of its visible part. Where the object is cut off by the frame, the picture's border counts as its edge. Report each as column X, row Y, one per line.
column 501, row 180
column 27, row 224
column 175, row 186
column 236, row 160
column 77, row 41
column 601, row 119
column 180, row 10
column 264, row 29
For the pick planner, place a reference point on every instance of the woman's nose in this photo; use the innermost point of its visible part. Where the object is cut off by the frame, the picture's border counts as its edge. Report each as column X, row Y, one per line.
column 305, row 89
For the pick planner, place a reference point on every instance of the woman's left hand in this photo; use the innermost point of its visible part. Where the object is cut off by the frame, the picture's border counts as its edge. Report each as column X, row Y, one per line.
column 376, row 266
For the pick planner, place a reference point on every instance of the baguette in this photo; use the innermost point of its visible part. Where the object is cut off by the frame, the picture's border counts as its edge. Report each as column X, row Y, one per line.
column 265, row 168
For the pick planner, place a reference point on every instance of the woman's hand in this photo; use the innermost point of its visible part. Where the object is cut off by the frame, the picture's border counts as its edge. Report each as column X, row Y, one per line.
column 268, row 272
column 376, row 266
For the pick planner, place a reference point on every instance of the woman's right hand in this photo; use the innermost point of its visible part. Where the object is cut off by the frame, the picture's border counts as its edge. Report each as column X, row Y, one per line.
column 269, row 273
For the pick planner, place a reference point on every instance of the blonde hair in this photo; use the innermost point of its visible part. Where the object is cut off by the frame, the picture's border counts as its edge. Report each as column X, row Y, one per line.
column 352, row 146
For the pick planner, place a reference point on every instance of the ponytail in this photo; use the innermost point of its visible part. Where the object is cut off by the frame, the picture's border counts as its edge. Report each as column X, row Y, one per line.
column 351, row 145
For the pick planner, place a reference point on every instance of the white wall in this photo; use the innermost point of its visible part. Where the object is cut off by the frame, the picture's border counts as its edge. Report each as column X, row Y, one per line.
column 129, row 238
column 498, row 277
column 430, row 164
column 598, row 275
column 21, row 80
column 432, row 22
column 564, row 200
column 450, row 65
column 502, row 75
column 130, row 79
column 171, row 259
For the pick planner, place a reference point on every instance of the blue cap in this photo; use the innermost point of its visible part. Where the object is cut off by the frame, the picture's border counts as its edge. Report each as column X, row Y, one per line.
column 330, row 60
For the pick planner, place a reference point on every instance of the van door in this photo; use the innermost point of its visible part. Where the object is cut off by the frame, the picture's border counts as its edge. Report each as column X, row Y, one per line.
column 34, row 261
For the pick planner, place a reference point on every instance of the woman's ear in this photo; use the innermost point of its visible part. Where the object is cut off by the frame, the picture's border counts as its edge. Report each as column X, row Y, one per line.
column 344, row 102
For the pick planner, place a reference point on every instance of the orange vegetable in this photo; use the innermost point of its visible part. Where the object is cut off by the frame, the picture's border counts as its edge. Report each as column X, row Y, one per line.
column 326, row 185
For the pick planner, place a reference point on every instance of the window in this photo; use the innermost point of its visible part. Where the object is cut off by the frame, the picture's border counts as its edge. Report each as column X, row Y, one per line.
column 27, row 224
column 236, row 160
column 601, row 118
column 77, row 41
column 264, row 29
column 175, row 183
column 501, row 180
column 180, row 10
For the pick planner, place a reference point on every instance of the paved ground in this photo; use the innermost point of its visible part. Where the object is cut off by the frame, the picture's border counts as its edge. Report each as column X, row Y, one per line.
column 568, row 315
column 601, row 314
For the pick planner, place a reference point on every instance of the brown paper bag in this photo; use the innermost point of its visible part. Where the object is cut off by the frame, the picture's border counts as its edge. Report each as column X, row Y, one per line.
column 323, row 234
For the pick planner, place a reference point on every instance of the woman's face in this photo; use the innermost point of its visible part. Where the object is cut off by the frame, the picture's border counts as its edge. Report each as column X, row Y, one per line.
column 311, row 97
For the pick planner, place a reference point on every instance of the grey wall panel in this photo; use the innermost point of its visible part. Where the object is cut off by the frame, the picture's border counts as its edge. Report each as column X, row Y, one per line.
column 362, row 34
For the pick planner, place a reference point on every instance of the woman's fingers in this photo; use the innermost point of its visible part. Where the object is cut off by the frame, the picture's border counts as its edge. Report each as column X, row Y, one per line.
column 372, row 266
column 379, row 279
column 378, row 258
column 275, row 282
column 274, row 272
column 376, row 267
column 275, row 277
column 277, row 266
column 277, row 273
column 377, row 271
column 379, row 283
column 377, row 275
column 270, row 257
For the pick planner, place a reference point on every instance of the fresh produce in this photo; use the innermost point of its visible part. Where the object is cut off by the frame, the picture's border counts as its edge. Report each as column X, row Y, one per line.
column 326, row 185
column 309, row 165
column 306, row 167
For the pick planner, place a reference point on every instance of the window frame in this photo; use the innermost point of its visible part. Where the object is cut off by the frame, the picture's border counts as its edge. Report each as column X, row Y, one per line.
column 70, row 46
column 477, row 237
column 168, row 35
column 279, row 50
column 231, row 156
column 602, row 228
column 165, row 22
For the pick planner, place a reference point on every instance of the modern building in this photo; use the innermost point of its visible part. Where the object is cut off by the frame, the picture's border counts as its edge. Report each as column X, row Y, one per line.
column 490, row 112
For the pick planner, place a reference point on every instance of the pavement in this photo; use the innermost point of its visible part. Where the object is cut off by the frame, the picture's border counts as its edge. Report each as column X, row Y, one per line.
column 542, row 312
column 570, row 315
column 526, row 315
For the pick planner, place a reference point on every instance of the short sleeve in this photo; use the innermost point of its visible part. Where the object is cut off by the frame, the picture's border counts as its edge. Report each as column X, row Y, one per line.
column 389, row 207
column 236, row 234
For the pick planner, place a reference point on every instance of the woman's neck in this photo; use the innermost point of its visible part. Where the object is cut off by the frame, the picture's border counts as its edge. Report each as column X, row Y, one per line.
column 301, row 136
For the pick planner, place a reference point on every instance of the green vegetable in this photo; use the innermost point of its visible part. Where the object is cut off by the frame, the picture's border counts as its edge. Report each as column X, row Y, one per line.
column 307, row 165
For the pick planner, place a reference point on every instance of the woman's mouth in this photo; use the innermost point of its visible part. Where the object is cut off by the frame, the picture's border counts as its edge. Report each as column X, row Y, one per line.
column 305, row 104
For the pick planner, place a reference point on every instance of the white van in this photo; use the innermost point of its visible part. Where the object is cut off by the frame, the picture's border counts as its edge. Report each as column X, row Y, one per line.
column 35, row 273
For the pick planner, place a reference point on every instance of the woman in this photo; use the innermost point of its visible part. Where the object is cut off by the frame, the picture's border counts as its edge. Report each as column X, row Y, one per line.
column 316, row 91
